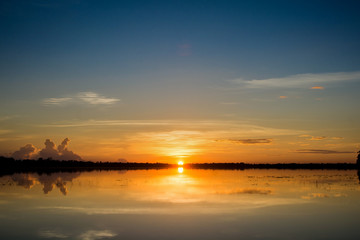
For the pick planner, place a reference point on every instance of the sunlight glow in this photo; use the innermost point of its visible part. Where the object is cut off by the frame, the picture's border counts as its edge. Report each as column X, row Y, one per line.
column 180, row 170
column 180, row 163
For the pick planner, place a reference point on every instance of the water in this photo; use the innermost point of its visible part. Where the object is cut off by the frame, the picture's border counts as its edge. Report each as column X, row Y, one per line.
column 175, row 204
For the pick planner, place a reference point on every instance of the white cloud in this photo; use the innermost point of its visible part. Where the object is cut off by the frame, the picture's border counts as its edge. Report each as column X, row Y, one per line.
column 92, row 98
column 56, row 101
column 93, row 234
column 307, row 80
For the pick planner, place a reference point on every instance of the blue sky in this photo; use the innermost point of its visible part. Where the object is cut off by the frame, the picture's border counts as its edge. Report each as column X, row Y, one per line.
column 229, row 62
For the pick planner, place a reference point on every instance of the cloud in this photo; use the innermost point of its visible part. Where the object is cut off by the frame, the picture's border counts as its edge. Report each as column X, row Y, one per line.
column 61, row 153
column 317, row 138
column 337, row 138
column 25, row 152
column 94, row 98
column 29, row 151
column 5, row 131
column 63, row 144
column 52, row 234
column 88, row 235
column 299, row 81
column 317, row 88
column 212, row 125
column 49, row 151
column 320, row 151
column 65, row 153
column 91, row 98
column 93, row 234
column 305, row 136
column 56, row 101
column 4, row 118
column 247, row 191
column 283, row 97
column 247, row 141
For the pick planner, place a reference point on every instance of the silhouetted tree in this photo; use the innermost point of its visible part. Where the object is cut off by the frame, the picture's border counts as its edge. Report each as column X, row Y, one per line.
column 358, row 159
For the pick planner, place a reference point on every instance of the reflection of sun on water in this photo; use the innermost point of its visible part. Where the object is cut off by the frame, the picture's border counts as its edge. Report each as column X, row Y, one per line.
column 180, row 169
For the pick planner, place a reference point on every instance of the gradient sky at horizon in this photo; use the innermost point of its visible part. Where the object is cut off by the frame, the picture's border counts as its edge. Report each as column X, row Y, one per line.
column 201, row 81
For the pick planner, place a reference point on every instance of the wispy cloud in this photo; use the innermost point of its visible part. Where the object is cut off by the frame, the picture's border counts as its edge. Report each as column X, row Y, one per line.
column 92, row 98
column 52, row 234
column 319, row 138
column 210, row 125
column 5, row 131
column 229, row 103
column 309, row 80
column 247, row 191
column 337, row 138
column 4, row 118
column 246, row 141
column 321, row 151
column 317, row 88
column 56, row 101
column 94, row 234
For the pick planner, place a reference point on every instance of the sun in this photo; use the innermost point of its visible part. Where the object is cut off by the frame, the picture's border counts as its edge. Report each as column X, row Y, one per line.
column 180, row 163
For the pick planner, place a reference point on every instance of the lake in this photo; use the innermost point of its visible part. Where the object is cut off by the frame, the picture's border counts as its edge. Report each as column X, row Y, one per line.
column 181, row 204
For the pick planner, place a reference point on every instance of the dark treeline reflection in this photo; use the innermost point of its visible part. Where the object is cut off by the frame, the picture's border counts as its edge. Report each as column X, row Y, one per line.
column 48, row 181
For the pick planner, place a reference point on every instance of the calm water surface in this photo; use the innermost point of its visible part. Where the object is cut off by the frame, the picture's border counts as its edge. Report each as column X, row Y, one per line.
column 181, row 204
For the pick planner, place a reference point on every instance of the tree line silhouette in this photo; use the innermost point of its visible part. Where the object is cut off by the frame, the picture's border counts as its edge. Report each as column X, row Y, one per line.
column 10, row 165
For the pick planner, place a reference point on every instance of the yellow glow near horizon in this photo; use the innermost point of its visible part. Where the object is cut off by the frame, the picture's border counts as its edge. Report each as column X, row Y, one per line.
column 180, row 170
column 180, row 163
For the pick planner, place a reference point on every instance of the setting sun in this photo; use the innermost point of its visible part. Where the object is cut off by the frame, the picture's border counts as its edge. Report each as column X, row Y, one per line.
column 180, row 163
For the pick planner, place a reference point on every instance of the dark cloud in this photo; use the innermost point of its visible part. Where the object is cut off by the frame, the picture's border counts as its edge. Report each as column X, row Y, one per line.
column 65, row 153
column 25, row 152
column 50, row 150
column 61, row 153
column 63, row 145
column 247, row 141
column 320, row 151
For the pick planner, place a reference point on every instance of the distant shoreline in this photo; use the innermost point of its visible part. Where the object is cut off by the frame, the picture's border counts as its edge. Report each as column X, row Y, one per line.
column 10, row 166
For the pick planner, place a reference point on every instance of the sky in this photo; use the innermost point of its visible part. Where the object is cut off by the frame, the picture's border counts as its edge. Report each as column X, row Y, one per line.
column 197, row 81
